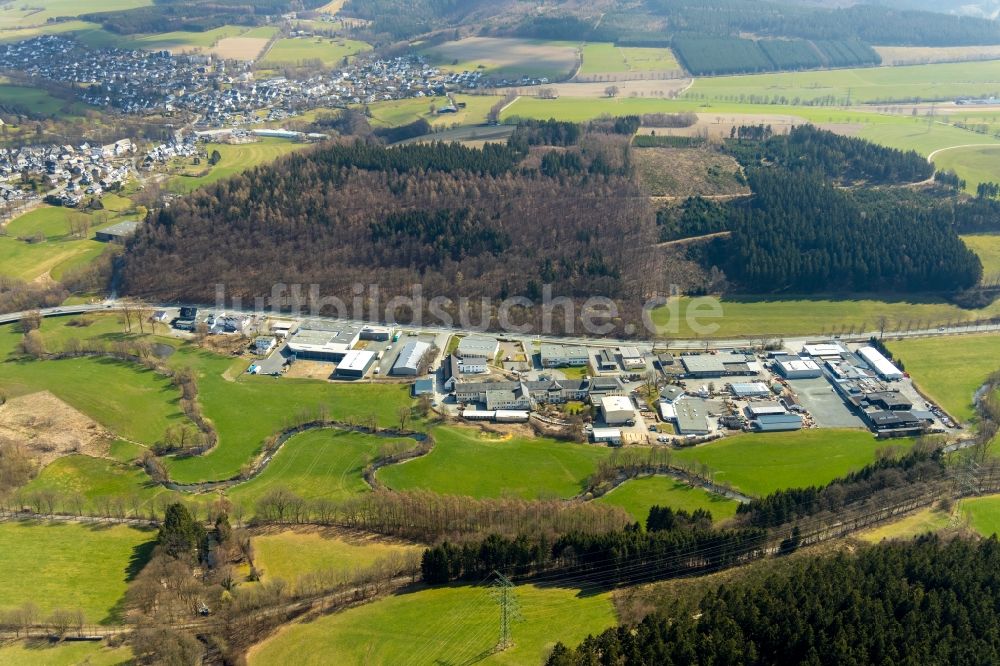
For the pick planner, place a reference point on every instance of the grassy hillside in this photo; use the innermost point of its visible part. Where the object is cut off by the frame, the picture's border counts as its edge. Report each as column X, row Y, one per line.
column 443, row 625
column 68, row 565
column 465, row 463
column 760, row 463
column 638, row 495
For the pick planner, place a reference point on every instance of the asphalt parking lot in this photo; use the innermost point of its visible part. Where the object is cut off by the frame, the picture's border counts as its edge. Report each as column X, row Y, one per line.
column 824, row 403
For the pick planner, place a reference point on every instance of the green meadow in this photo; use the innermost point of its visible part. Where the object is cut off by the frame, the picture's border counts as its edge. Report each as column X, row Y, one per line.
column 44, row 653
column 235, row 158
column 290, row 554
column 987, row 247
column 70, row 566
column 951, row 369
column 760, row 463
column 318, row 464
column 466, row 462
column 605, row 58
column 637, row 496
column 982, row 514
column 976, row 164
column 686, row 318
column 861, row 85
column 452, row 625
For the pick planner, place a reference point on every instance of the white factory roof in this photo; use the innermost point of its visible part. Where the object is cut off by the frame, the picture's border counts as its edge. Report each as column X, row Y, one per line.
column 879, row 363
column 630, row 352
column 667, row 412
column 356, row 360
column 824, row 349
column 607, row 433
column 614, row 403
column 799, row 365
column 411, row 353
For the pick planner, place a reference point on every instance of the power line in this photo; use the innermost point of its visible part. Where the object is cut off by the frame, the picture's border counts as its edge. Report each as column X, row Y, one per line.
column 510, row 611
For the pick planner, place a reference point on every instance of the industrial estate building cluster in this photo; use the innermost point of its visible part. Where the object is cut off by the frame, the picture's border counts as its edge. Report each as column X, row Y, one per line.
column 624, row 393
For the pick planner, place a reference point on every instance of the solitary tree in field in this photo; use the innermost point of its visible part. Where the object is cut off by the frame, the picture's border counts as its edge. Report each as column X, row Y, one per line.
column 404, row 416
column 611, row 91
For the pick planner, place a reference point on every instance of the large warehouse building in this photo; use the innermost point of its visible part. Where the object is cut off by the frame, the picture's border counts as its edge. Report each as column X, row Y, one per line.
column 408, row 362
column 793, row 367
column 617, row 409
column 323, row 340
column 882, row 366
column 478, row 346
column 355, row 363
column 562, row 356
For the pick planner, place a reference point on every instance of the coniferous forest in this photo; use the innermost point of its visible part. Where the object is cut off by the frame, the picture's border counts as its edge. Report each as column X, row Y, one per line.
column 560, row 205
column 920, row 602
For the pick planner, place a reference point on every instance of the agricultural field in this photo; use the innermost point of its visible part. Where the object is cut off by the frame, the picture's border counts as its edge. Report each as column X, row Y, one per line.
column 950, row 370
column 760, row 463
column 637, row 496
column 917, row 523
column 466, row 462
column 289, row 554
column 57, row 250
column 922, row 55
column 685, row 172
column 236, row 158
column 91, row 34
column 982, row 514
column 70, row 565
column 976, row 164
column 987, row 247
column 185, row 41
column 455, row 625
column 300, row 50
column 318, row 463
column 44, row 653
column 36, row 101
column 510, row 58
column 763, row 316
column 36, row 12
column 860, row 85
column 605, row 58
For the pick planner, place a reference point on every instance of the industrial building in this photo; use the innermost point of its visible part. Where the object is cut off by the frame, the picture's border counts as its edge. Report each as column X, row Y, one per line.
column 470, row 364
column 617, row 409
column 793, row 367
column 423, row 386
column 324, row 341
column 606, row 436
column 377, row 333
column 408, row 362
column 750, row 390
column 604, row 386
column 478, row 346
column 776, row 422
column 719, row 365
column 263, row 344
column 671, row 392
column 690, row 416
column 563, row 356
column 755, row 409
column 606, row 361
column 882, row 366
column 825, row 350
column 632, row 358
column 117, row 233
column 355, row 363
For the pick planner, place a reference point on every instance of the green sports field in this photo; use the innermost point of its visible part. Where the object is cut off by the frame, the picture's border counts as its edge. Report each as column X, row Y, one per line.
column 319, row 463
column 465, row 463
column 70, row 565
column 760, row 463
column 299, row 50
column 452, row 625
column 950, row 369
column 290, row 554
column 638, row 495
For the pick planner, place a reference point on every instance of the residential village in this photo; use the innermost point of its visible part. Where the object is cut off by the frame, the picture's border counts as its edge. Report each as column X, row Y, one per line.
column 609, row 395
column 217, row 92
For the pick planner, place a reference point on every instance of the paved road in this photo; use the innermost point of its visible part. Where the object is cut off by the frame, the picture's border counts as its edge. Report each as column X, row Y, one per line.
column 643, row 345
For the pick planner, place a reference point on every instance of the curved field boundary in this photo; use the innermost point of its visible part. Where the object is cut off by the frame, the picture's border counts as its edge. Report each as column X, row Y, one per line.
column 930, row 158
column 424, row 440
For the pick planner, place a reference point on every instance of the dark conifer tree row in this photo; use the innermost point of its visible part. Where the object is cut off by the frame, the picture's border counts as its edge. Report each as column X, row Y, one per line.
column 923, row 602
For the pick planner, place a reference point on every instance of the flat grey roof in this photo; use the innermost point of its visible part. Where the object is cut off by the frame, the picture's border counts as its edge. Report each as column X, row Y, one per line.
column 121, row 229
